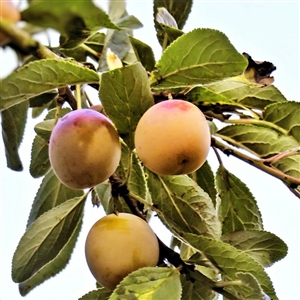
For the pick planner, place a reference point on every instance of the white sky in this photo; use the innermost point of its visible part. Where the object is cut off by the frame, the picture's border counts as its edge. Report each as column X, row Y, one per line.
column 267, row 30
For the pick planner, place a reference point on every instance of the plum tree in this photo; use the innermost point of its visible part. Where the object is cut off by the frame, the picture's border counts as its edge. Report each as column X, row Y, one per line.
column 215, row 220
column 84, row 149
column 173, row 138
column 117, row 245
column 10, row 12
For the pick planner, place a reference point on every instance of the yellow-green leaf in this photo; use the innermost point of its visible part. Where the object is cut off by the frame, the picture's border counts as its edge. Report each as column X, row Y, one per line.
column 149, row 284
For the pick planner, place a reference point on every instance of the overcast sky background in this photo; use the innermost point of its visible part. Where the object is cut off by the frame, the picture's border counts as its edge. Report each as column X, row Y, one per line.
column 267, row 30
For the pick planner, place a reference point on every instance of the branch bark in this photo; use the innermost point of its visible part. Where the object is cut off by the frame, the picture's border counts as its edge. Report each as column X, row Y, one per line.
column 25, row 42
column 264, row 165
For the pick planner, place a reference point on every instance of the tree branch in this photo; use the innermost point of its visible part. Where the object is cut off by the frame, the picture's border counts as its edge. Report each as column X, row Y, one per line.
column 25, row 42
column 290, row 181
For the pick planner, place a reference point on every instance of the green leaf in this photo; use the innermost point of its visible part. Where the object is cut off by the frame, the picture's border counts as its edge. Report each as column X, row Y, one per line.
column 117, row 9
column 166, row 27
column 103, row 192
column 265, row 247
column 44, row 129
column 205, row 179
column 126, row 95
column 286, row 115
column 180, row 10
column 231, row 262
column 253, row 288
column 137, row 181
column 76, row 18
column 13, row 122
column 54, row 266
column 42, row 76
column 40, row 163
column 198, row 57
column 289, row 165
column 131, row 172
column 45, row 238
column 80, row 52
column 183, row 205
column 168, row 32
column 51, row 193
column 237, row 208
column 100, row 294
column 205, row 96
column 144, row 53
column 196, row 290
column 261, row 141
column 149, row 283
column 228, row 91
column 43, row 99
column 129, row 22
column 164, row 17
column 119, row 43
column 52, row 113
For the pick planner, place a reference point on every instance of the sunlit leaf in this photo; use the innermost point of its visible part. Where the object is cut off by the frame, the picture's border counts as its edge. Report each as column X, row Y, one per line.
column 45, row 238
column 264, row 247
column 198, row 57
column 126, row 95
column 13, row 122
column 51, row 193
column 42, row 76
column 237, row 208
column 183, row 203
column 149, row 283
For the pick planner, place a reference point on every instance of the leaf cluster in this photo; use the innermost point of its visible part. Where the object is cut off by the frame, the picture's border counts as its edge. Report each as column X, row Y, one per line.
column 219, row 243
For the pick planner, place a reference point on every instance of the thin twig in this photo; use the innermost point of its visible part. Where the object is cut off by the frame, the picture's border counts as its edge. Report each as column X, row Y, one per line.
column 65, row 94
column 24, row 41
column 284, row 154
column 290, row 181
column 121, row 189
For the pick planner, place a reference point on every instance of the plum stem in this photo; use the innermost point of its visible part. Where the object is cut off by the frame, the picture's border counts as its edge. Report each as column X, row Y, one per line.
column 78, row 95
column 120, row 189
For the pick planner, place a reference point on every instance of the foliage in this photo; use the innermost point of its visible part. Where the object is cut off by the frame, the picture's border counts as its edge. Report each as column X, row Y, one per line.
column 214, row 217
